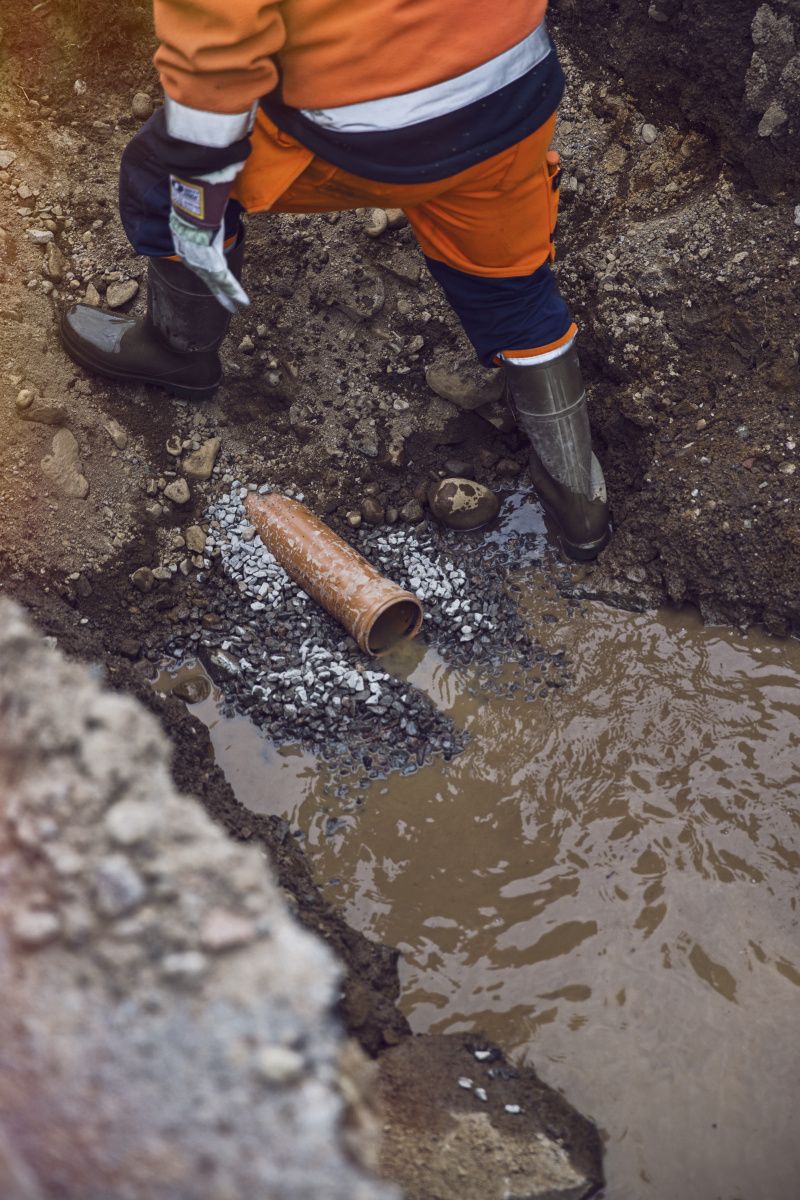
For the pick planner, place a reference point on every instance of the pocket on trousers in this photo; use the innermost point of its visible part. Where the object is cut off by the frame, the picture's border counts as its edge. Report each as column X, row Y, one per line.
column 552, row 171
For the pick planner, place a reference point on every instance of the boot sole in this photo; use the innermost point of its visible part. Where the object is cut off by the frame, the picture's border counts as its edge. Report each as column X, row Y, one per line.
column 181, row 391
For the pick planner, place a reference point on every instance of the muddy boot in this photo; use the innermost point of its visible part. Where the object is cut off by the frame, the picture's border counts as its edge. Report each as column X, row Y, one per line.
column 174, row 347
column 549, row 402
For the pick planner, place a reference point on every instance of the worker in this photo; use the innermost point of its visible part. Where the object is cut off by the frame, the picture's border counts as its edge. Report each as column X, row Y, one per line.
column 443, row 109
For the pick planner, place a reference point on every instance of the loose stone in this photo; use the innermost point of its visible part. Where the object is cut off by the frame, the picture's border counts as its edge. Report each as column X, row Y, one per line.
column 178, row 492
column 118, row 887
column 462, row 503
column 143, row 579
column 132, row 821
column 33, row 928
column 63, row 467
column 278, row 1065
column 195, row 539
column 118, row 294
column 141, row 106
column 200, row 464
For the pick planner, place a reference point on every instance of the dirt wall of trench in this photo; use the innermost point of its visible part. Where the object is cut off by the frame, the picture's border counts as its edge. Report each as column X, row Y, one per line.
column 730, row 70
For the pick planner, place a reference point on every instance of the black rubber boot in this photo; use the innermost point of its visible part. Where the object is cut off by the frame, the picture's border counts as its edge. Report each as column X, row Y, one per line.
column 549, row 402
column 174, row 347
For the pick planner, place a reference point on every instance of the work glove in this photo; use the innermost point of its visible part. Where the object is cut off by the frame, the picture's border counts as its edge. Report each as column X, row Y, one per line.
column 196, row 223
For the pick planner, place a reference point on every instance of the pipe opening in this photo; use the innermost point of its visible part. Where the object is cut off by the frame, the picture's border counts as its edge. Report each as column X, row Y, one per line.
column 401, row 619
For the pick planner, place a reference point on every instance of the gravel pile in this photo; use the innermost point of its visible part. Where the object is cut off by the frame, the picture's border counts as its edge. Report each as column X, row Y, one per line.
column 281, row 659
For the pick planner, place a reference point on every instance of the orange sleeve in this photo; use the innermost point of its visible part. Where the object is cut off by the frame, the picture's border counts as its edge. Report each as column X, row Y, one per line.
column 217, row 55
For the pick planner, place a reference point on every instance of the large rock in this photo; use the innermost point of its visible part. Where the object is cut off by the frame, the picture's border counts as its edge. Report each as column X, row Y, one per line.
column 155, row 990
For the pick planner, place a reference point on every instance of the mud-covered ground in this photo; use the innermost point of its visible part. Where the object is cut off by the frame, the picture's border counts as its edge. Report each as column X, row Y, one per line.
column 682, row 268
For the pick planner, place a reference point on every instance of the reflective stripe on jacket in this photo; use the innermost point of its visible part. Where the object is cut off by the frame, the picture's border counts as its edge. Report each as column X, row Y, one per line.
column 395, row 90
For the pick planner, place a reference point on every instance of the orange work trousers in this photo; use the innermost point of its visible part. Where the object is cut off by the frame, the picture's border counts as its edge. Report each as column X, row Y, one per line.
column 495, row 219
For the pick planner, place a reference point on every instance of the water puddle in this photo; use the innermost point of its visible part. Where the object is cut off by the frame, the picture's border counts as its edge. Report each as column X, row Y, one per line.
column 267, row 779
column 603, row 881
column 606, row 883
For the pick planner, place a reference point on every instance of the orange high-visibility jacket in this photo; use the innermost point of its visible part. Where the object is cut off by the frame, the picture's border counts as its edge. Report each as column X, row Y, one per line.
column 393, row 89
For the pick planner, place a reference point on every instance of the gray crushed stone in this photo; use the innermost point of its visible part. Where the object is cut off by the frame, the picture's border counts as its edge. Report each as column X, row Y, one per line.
column 279, row 658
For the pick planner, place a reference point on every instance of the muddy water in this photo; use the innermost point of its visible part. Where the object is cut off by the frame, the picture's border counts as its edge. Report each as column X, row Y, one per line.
column 604, row 882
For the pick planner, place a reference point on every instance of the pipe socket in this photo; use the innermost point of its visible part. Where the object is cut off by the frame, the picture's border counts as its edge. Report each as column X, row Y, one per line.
column 375, row 612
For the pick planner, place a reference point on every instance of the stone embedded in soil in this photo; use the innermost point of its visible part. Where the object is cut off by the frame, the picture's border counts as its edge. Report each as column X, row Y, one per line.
column 40, row 237
column 143, row 579
column 372, row 510
column 178, row 492
column 118, row 886
column 116, row 432
column 25, row 398
column 33, row 928
column 224, row 930
column 91, row 296
column 63, row 466
column 141, row 106
column 412, row 511
column 195, row 539
column 508, row 468
column 118, row 294
column 7, row 157
column 465, row 383
column 130, row 822
column 497, row 414
column 55, row 264
column 462, row 503
column 508, row 1137
column 44, row 414
column 200, row 464
column 278, row 1065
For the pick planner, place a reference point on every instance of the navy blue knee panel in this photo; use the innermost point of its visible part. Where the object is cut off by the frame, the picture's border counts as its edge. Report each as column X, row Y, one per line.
column 518, row 313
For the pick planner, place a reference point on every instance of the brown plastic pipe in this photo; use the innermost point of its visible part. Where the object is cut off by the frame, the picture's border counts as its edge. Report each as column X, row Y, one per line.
column 375, row 612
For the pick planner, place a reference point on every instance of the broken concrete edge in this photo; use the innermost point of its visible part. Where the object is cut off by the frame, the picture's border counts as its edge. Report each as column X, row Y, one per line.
column 167, row 1027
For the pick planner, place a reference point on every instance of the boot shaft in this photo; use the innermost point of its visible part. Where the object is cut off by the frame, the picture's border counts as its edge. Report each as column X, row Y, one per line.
column 182, row 310
column 549, row 402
